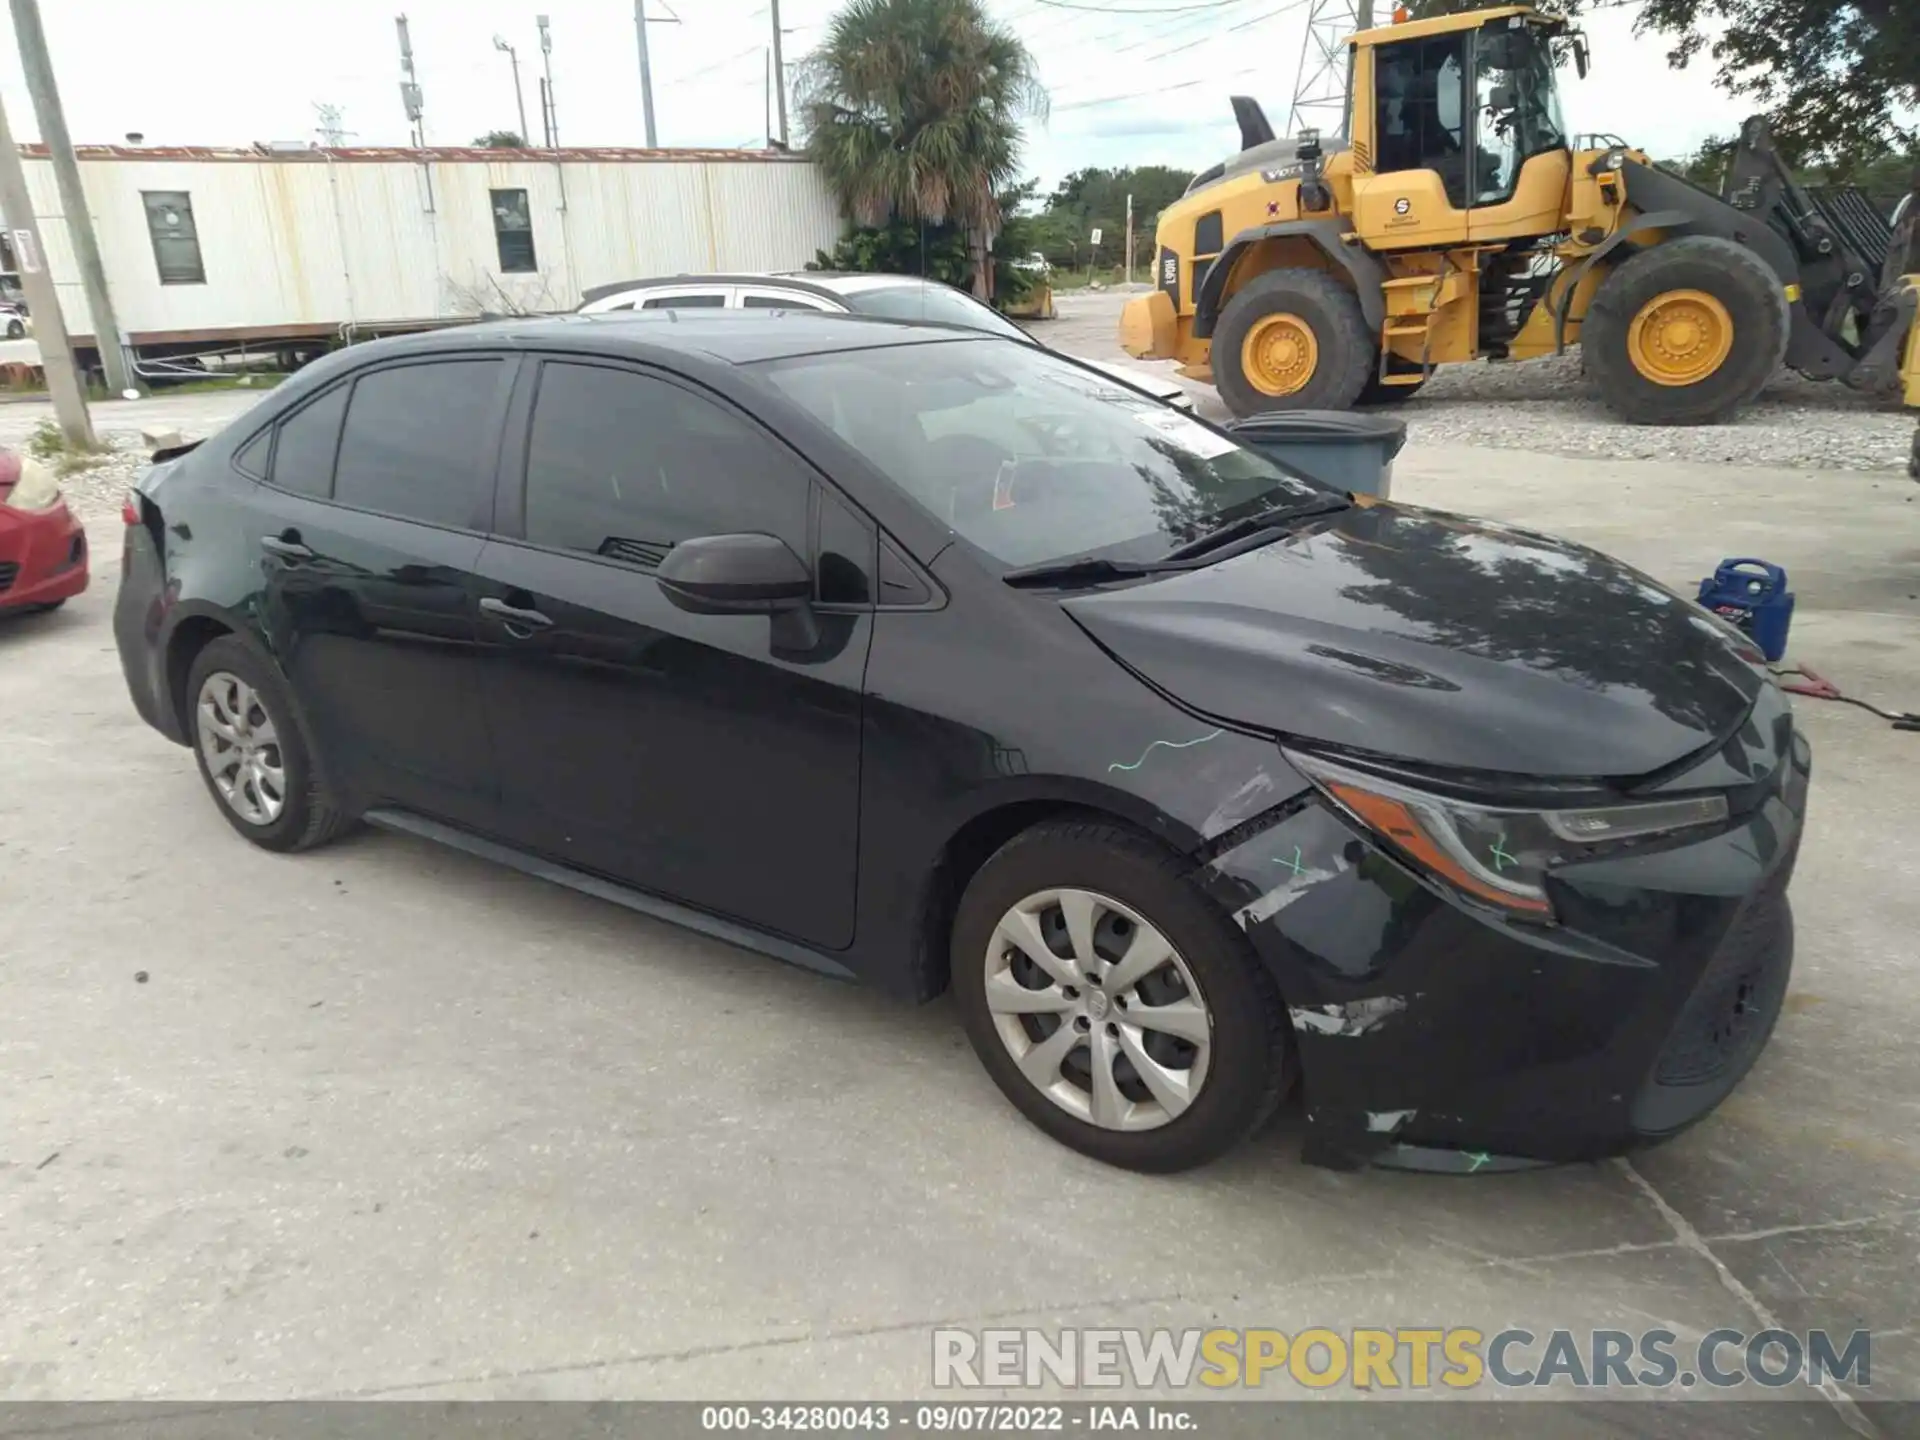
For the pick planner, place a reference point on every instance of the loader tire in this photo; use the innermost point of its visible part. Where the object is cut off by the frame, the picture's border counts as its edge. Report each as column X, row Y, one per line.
column 1687, row 332
column 1291, row 340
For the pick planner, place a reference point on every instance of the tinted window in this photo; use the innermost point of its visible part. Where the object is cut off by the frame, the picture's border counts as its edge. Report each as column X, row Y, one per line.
column 685, row 302
column 417, row 440
column 1419, row 88
column 626, row 466
column 1030, row 457
column 846, row 554
column 940, row 304
column 303, row 455
column 252, row 456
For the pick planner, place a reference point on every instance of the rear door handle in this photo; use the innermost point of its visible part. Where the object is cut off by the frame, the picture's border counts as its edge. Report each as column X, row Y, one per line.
column 512, row 616
column 285, row 549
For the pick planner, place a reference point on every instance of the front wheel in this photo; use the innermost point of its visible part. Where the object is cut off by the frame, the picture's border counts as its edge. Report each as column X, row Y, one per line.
column 1113, row 1003
column 1686, row 332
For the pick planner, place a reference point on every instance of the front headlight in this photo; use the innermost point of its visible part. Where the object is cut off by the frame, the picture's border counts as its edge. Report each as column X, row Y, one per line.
column 38, row 488
column 1497, row 854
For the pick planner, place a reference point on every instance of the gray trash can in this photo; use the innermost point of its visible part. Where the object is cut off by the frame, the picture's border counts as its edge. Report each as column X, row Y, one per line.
column 1341, row 449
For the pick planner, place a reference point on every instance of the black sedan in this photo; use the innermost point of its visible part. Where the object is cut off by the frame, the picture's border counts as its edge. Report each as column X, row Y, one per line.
column 936, row 660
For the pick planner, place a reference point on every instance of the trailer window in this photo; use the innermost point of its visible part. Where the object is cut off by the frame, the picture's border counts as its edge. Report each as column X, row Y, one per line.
column 513, row 231
column 176, row 244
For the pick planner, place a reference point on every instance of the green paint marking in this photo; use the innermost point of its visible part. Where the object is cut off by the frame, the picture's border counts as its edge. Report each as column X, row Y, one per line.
column 1170, row 744
column 1478, row 1160
column 1293, row 864
column 1501, row 859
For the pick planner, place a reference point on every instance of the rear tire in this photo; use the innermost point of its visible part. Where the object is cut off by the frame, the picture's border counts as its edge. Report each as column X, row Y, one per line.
column 1687, row 332
column 15, row 330
column 282, row 803
column 1140, row 895
column 1291, row 340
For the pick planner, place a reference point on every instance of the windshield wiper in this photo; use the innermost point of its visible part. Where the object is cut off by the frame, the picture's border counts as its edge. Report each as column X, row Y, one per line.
column 1249, row 525
column 1085, row 570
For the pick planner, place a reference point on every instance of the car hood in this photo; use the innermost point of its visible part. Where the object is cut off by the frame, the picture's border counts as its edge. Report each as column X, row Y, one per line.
column 1442, row 640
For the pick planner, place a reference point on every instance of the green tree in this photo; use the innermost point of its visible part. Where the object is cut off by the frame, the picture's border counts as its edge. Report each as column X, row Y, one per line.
column 1839, row 79
column 500, row 140
column 912, row 111
column 1097, row 199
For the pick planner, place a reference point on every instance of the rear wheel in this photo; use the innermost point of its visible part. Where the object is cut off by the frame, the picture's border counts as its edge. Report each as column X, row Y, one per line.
column 253, row 756
column 1687, row 332
column 1291, row 340
column 1113, row 1003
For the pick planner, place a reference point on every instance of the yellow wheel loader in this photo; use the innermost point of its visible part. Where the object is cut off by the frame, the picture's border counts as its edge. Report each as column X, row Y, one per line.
column 1457, row 219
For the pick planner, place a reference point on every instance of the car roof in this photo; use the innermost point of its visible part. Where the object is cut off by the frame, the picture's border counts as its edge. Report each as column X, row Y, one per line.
column 736, row 337
column 818, row 282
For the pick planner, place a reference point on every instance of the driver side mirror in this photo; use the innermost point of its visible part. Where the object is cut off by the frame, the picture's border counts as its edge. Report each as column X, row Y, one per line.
column 1579, row 39
column 735, row 575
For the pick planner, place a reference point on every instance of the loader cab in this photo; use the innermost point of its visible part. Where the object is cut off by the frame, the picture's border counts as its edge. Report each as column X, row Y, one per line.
column 1461, row 122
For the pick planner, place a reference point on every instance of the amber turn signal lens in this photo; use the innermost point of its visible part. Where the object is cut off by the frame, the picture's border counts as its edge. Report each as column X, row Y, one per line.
column 1398, row 823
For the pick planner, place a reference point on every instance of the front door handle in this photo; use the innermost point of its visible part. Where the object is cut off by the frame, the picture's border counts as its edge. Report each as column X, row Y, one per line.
column 517, row 620
column 284, row 548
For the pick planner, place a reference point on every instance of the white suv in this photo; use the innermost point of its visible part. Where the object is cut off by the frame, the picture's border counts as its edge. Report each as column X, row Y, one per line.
column 888, row 297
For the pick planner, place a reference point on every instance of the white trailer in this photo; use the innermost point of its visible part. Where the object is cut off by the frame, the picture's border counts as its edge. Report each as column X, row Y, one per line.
column 289, row 250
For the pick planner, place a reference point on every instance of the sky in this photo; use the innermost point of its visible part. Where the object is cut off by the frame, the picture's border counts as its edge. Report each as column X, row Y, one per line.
column 1133, row 82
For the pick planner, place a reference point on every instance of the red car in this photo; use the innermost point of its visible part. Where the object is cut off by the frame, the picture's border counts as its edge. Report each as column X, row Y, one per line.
column 43, row 548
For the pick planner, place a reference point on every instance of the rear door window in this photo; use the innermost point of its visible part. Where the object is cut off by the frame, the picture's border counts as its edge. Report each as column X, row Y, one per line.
column 419, row 441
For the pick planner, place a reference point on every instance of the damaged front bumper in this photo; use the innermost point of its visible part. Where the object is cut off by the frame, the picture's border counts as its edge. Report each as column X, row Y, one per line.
column 1435, row 1035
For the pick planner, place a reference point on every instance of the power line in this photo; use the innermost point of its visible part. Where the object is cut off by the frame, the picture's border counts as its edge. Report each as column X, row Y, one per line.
column 716, row 65
column 1112, row 13
column 1133, row 96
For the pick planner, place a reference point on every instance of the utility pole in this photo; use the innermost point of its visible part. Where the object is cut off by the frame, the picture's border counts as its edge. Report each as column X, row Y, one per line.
column 519, row 99
column 646, row 70
column 410, row 96
column 549, row 112
column 1129, row 238
column 73, row 199
column 779, row 75
column 49, row 328
column 640, row 22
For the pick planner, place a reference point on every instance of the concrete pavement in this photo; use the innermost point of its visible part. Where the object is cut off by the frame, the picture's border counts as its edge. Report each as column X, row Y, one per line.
column 384, row 1120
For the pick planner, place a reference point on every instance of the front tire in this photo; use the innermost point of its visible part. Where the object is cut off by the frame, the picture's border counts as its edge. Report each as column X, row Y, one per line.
column 1113, row 1003
column 1291, row 340
column 253, row 756
column 1687, row 332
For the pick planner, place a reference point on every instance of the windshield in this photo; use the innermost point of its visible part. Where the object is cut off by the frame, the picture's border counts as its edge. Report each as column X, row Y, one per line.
column 1028, row 456
column 940, row 304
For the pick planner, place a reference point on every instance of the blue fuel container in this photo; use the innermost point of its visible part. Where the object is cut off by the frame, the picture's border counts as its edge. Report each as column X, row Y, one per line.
column 1752, row 594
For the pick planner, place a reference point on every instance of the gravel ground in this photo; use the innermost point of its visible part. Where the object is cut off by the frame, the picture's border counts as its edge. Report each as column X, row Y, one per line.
column 99, row 489
column 1548, row 406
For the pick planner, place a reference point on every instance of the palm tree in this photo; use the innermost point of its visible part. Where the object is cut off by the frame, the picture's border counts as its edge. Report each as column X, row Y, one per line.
column 912, row 108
